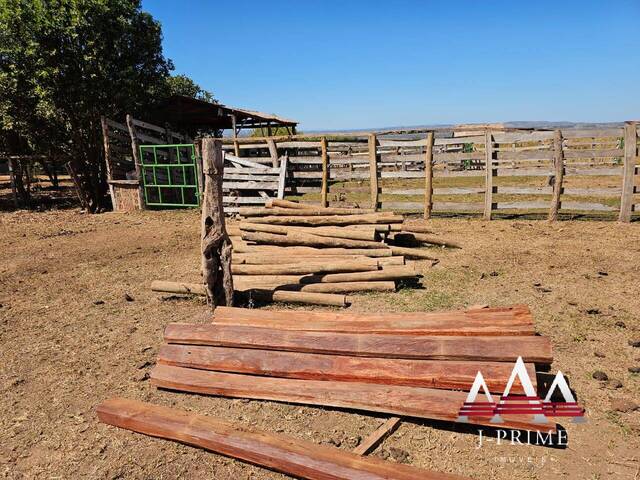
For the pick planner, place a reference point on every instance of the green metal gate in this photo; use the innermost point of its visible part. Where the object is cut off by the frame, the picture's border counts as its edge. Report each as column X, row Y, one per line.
column 170, row 175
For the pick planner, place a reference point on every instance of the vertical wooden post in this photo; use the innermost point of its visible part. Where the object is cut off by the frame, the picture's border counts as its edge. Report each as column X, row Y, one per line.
column 373, row 170
column 216, row 245
column 488, row 178
column 325, row 173
column 136, row 159
column 197, row 146
column 628, row 171
column 428, row 177
column 107, row 159
column 273, row 151
column 236, row 144
column 282, row 178
column 558, row 164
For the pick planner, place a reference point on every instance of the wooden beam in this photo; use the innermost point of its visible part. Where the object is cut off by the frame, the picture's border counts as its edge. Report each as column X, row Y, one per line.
column 282, row 177
column 325, row 173
column 488, row 178
column 629, row 169
column 558, row 163
column 373, row 171
column 397, row 400
column 428, row 177
column 485, row 348
column 449, row 375
column 216, row 245
column 294, row 457
column 273, row 151
column 383, row 431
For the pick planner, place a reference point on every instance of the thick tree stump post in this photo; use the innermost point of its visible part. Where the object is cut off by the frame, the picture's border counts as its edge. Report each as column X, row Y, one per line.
column 558, row 163
column 428, row 177
column 216, row 245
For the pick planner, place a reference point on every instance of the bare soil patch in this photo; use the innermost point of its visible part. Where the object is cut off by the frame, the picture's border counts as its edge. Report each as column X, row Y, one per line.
column 70, row 337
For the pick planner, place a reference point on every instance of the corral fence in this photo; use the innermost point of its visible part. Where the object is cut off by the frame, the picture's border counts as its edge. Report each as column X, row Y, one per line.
column 477, row 171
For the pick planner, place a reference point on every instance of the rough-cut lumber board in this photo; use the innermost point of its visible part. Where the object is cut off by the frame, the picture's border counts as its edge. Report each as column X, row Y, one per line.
column 533, row 205
column 349, row 287
column 558, row 163
column 397, row 400
column 276, row 452
column 296, row 238
column 587, row 206
column 373, row 171
column 428, row 177
column 368, row 234
column 306, row 298
column 629, row 170
column 304, row 268
column 325, row 173
column 266, row 259
column 137, row 161
column 247, row 163
column 412, row 253
column 481, row 348
column 215, row 243
column 473, row 321
column 275, row 250
column 308, row 211
column 373, row 440
column 423, row 238
column 310, row 366
column 250, row 185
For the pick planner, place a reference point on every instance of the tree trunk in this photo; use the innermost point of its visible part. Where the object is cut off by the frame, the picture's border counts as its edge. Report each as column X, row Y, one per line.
column 216, row 244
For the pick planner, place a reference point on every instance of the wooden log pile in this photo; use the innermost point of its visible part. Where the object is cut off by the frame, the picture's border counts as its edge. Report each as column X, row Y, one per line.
column 287, row 246
column 404, row 364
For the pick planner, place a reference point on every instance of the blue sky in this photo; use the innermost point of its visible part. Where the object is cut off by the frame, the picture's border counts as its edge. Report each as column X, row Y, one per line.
column 372, row 64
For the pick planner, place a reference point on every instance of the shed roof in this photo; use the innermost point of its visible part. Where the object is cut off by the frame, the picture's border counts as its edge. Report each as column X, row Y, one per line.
column 188, row 111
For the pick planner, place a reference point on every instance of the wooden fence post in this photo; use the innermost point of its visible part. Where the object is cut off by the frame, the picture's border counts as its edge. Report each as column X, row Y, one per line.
column 558, row 164
column 628, row 171
column 107, row 160
column 428, row 177
column 135, row 147
column 216, row 244
column 282, row 178
column 325, row 173
column 197, row 146
column 273, row 151
column 489, row 171
column 373, row 170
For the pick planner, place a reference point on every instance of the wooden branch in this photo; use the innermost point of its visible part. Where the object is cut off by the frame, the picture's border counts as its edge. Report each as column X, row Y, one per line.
column 294, row 457
column 216, row 244
column 558, row 163
column 428, row 177
column 373, row 440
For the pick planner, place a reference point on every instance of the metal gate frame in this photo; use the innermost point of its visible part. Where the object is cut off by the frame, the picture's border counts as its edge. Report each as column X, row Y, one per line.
column 169, row 167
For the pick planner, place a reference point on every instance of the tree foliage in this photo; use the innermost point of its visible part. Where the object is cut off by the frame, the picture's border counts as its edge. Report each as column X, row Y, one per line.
column 183, row 85
column 63, row 64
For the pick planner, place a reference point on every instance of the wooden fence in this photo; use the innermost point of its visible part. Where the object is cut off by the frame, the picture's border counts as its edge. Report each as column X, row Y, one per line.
column 483, row 171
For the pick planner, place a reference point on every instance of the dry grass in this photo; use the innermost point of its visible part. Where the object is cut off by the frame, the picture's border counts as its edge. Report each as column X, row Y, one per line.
column 62, row 353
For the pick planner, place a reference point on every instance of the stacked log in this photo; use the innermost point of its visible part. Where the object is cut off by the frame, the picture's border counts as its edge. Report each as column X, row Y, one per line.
column 270, row 241
column 402, row 364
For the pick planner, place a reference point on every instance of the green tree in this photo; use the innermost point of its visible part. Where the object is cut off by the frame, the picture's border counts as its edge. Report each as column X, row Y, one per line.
column 63, row 64
column 183, row 85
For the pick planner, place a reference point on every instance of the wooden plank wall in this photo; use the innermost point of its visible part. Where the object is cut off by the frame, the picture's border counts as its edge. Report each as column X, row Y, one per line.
column 539, row 171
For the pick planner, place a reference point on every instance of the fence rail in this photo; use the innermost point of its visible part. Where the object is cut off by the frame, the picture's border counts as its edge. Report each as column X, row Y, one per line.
column 483, row 171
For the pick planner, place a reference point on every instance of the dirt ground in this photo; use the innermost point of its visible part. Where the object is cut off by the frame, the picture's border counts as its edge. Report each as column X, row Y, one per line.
column 69, row 338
